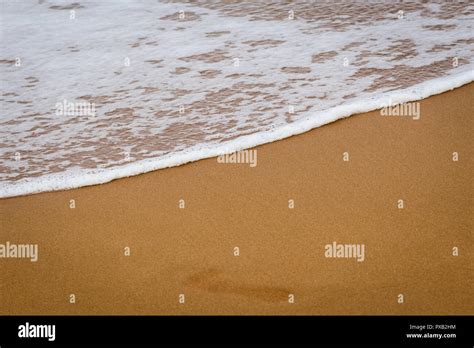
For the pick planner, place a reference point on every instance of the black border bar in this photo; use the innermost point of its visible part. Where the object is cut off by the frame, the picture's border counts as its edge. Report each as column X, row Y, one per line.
column 328, row 330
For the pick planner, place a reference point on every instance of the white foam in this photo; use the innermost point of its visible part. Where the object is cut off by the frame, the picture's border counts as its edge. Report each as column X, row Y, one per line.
column 80, row 178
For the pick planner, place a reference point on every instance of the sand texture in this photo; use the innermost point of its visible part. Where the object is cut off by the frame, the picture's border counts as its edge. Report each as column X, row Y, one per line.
column 190, row 251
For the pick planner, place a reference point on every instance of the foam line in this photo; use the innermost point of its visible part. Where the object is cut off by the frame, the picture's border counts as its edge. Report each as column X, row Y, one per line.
column 63, row 181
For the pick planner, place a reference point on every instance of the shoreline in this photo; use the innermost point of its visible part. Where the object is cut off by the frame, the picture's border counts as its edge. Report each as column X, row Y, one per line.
column 413, row 94
column 182, row 225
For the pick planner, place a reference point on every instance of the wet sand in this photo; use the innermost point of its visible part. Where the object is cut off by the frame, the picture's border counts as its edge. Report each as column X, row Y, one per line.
column 190, row 251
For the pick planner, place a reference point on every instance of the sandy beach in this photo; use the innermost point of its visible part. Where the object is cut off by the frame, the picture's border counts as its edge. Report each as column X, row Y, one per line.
column 191, row 250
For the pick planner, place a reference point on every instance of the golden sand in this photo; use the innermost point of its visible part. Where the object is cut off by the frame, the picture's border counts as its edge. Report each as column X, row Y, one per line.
column 191, row 251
